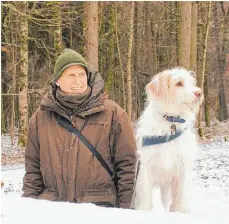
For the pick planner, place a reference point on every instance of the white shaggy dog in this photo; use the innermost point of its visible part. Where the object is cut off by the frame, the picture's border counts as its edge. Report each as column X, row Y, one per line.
column 166, row 141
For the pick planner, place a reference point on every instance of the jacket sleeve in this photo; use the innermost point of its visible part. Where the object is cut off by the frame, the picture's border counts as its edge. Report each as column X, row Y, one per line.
column 33, row 184
column 125, row 160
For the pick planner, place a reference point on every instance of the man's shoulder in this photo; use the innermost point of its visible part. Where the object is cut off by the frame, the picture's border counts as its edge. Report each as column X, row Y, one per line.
column 111, row 104
column 41, row 112
column 39, row 115
column 114, row 108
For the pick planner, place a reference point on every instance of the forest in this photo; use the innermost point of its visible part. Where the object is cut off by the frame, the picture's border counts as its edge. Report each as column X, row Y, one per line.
column 127, row 42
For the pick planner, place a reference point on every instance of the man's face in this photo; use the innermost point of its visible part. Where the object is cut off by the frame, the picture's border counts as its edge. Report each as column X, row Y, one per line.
column 73, row 80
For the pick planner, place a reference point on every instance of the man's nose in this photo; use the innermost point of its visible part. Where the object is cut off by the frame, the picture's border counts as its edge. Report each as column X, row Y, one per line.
column 76, row 80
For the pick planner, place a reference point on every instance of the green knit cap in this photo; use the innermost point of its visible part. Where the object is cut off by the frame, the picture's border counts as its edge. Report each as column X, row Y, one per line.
column 68, row 58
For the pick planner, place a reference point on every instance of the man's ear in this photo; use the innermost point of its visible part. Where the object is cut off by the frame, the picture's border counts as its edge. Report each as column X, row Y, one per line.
column 153, row 88
column 57, row 82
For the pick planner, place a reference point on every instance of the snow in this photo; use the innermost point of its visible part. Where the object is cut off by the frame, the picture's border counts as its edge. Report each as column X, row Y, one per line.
column 209, row 203
column 212, row 166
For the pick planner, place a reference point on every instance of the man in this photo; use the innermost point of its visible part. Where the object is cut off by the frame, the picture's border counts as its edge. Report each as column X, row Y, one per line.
column 59, row 165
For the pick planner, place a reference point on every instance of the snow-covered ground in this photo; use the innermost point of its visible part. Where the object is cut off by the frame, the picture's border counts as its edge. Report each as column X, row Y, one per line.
column 209, row 204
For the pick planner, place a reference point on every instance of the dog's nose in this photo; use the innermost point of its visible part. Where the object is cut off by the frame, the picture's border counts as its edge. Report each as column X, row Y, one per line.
column 198, row 93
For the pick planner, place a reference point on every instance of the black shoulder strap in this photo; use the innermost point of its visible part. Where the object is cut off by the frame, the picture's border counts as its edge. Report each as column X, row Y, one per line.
column 67, row 124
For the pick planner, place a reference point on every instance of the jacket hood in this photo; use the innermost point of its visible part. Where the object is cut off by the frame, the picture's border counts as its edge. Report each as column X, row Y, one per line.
column 94, row 100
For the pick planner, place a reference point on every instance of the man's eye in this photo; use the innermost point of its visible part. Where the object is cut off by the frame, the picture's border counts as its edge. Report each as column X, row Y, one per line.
column 82, row 74
column 72, row 75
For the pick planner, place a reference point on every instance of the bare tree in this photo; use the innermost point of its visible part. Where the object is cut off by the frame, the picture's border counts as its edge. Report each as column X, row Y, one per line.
column 91, row 33
column 111, row 51
column 119, row 56
column 185, row 34
column 12, row 122
column 193, row 54
column 23, row 71
column 129, row 64
column 202, row 78
column 222, row 52
column 57, row 29
column 148, row 39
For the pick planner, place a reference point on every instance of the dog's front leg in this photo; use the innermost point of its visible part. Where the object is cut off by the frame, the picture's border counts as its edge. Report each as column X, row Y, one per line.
column 165, row 195
column 180, row 193
column 143, row 191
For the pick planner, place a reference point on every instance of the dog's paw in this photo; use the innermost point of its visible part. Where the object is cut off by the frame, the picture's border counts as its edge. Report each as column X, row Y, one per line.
column 179, row 208
column 184, row 210
column 143, row 207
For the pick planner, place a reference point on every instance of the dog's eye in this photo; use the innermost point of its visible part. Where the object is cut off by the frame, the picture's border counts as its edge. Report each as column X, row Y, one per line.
column 180, row 84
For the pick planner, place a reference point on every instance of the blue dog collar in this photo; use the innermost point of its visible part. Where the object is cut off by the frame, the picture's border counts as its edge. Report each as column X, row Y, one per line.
column 174, row 119
column 154, row 140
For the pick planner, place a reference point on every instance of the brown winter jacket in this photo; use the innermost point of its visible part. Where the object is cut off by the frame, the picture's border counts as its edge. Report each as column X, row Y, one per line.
column 59, row 167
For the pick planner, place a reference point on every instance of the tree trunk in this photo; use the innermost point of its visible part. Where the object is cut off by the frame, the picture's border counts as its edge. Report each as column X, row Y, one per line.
column 119, row 56
column 3, row 126
column 206, row 101
column 222, row 51
column 222, row 111
column 135, row 64
column 58, row 30
column 204, row 73
column 203, row 76
column 5, row 13
column 185, row 34
column 177, row 10
column 101, row 31
column 23, row 73
column 193, row 56
column 4, row 60
column 111, row 50
column 205, row 46
column 12, row 123
column 148, row 39
column 91, row 33
column 129, row 64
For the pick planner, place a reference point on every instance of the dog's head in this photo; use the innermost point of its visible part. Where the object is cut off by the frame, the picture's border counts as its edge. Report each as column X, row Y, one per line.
column 175, row 89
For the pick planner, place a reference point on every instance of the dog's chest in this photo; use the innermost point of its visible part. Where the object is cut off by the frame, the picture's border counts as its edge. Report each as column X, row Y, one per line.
column 170, row 156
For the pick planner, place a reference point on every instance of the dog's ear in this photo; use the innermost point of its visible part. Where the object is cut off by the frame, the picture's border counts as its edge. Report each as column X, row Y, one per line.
column 153, row 87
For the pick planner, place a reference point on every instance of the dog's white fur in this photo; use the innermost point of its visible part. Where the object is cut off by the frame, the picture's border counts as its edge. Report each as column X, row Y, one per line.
column 167, row 165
